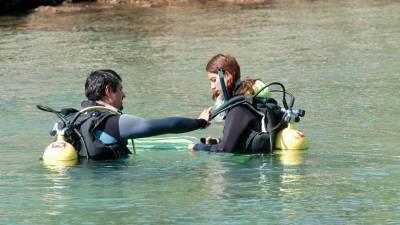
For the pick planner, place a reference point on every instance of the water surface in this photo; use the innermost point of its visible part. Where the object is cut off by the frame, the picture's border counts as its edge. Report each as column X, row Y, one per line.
column 339, row 58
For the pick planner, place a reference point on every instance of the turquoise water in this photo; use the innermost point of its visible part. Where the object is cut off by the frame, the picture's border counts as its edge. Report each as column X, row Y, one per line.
column 339, row 58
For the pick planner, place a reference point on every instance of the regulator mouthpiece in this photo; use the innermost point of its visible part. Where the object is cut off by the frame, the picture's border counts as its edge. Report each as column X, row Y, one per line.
column 293, row 115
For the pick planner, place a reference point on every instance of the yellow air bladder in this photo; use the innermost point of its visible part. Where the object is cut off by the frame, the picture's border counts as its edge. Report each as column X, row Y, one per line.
column 60, row 152
column 291, row 138
column 290, row 157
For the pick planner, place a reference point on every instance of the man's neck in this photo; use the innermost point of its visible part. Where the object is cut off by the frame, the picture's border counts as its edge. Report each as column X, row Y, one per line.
column 107, row 105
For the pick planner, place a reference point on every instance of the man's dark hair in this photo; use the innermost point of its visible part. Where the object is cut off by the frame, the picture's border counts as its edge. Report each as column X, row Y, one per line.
column 97, row 81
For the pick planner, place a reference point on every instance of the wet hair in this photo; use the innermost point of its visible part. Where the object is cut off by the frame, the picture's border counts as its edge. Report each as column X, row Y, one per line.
column 225, row 61
column 97, row 81
column 231, row 68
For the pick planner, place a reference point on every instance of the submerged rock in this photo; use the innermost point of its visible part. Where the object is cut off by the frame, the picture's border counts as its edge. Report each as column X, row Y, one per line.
column 15, row 6
column 157, row 3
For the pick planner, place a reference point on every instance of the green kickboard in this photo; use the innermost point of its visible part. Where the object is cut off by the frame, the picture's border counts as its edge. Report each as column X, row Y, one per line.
column 163, row 143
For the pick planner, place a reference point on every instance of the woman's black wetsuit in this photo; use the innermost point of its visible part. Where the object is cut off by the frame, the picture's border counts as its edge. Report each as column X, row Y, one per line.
column 239, row 123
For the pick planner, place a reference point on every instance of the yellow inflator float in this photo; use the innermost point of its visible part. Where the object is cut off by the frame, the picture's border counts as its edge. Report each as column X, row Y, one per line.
column 290, row 143
column 60, row 152
column 290, row 157
column 290, row 138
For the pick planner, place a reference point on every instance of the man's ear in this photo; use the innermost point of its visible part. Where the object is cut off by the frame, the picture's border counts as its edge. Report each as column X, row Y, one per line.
column 108, row 90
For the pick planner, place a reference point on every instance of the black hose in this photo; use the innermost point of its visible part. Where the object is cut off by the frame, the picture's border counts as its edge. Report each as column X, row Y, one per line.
column 241, row 99
column 287, row 93
column 283, row 91
column 227, row 105
column 48, row 109
column 83, row 143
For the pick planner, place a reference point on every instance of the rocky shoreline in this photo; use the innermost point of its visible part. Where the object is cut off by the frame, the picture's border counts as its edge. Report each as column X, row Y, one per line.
column 20, row 6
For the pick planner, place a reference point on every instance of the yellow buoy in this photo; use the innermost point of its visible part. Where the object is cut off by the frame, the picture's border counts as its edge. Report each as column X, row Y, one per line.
column 60, row 151
column 291, row 138
column 290, row 157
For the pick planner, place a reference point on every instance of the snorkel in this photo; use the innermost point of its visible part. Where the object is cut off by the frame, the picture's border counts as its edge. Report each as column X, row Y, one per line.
column 221, row 72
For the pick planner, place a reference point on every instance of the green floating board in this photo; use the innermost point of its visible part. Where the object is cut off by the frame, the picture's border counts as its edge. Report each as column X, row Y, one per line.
column 176, row 143
column 163, row 143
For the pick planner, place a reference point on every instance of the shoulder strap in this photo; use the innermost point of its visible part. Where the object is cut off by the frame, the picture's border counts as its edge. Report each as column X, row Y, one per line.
column 99, row 107
column 91, row 108
column 249, row 100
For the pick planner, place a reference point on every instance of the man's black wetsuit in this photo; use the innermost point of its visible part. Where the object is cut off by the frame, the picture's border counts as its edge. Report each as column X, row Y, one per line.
column 117, row 129
column 240, row 120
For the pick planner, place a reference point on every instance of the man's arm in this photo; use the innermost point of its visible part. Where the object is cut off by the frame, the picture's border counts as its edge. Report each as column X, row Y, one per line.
column 136, row 127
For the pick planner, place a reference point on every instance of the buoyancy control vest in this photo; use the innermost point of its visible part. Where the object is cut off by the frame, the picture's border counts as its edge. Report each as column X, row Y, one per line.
column 79, row 130
column 271, row 124
column 87, row 123
column 274, row 117
column 271, row 114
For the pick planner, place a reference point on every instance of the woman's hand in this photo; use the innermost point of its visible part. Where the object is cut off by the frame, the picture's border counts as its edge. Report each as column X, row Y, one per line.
column 211, row 141
column 190, row 147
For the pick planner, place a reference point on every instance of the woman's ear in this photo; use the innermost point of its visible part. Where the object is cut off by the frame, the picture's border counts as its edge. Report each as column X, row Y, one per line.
column 228, row 79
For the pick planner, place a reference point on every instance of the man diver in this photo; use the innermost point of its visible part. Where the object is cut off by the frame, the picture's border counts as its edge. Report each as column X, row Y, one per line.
column 105, row 129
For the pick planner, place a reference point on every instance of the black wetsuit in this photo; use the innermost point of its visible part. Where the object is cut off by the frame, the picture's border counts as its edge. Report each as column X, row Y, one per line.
column 239, row 123
column 115, row 130
column 129, row 126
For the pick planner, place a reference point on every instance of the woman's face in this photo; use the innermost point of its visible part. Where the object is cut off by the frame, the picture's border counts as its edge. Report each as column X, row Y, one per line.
column 215, row 85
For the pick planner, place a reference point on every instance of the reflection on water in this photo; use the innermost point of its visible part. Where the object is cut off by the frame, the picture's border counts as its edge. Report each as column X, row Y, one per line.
column 340, row 60
column 55, row 195
column 214, row 182
column 290, row 157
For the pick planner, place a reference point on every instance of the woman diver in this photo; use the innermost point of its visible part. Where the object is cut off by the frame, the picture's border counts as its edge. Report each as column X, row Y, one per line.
column 241, row 122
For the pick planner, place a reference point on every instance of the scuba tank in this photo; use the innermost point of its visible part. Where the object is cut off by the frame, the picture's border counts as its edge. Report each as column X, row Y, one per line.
column 290, row 138
column 60, row 150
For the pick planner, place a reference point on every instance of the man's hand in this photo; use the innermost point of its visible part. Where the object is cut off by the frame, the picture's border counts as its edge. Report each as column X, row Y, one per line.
column 206, row 115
